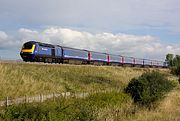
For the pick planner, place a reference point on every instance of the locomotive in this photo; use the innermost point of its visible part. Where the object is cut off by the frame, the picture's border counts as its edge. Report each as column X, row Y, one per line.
column 33, row 51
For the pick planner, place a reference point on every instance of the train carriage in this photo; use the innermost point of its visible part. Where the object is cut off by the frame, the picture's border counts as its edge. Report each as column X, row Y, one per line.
column 159, row 64
column 138, row 62
column 147, row 63
column 115, row 59
column 77, row 56
column 128, row 61
column 155, row 63
column 98, row 58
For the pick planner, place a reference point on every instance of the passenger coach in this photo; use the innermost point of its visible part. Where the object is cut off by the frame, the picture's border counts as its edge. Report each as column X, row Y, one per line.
column 40, row 52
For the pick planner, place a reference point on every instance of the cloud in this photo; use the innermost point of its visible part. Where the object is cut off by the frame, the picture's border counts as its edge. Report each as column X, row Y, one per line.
column 111, row 15
column 118, row 18
column 7, row 41
column 123, row 44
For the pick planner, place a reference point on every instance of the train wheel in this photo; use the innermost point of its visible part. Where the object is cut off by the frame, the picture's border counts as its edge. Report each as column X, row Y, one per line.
column 36, row 59
column 45, row 60
column 25, row 60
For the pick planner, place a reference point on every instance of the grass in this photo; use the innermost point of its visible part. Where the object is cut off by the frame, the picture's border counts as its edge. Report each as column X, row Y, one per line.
column 167, row 110
column 62, row 110
column 98, row 107
column 19, row 79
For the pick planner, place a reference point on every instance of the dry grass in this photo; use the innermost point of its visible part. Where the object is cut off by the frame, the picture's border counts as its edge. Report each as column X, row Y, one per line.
column 168, row 110
column 19, row 79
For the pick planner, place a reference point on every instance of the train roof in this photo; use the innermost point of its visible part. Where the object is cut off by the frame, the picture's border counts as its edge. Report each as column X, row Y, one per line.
column 71, row 48
column 41, row 44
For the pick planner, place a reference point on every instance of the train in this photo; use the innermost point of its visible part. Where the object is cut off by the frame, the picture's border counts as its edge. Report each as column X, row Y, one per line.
column 33, row 51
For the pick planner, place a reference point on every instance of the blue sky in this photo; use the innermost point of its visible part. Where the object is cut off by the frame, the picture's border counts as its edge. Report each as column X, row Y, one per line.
column 140, row 28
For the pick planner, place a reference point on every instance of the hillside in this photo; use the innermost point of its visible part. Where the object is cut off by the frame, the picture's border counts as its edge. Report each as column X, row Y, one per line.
column 19, row 79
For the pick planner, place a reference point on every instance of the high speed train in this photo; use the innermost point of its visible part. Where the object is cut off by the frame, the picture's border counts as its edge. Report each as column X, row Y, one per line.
column 34, row 51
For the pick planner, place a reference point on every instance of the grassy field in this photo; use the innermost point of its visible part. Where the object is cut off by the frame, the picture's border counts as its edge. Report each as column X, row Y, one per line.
column 19, row 79
column 97, row 107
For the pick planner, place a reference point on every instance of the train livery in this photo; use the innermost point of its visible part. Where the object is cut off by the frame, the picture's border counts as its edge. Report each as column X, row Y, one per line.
column 41, row 52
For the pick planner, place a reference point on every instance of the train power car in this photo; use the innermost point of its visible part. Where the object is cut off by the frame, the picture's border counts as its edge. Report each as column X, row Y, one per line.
column 33, row 51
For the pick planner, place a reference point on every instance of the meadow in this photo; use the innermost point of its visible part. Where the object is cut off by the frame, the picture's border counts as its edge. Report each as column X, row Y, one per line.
column 19, row 79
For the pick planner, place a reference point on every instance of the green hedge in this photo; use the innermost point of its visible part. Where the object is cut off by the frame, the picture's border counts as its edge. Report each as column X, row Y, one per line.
column 149, row 88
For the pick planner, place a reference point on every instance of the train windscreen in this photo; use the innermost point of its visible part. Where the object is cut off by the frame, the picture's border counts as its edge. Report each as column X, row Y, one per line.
column 28, row 45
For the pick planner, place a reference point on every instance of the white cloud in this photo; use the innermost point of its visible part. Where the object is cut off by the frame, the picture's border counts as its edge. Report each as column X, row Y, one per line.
column 143, row 17
column 6, row 41
column 124, row 44
column 3, row 35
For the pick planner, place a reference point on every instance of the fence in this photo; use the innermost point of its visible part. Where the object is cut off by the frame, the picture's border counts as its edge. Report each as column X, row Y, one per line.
column 42, row 98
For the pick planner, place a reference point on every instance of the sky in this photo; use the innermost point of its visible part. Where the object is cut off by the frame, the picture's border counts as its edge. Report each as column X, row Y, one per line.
column 140, row 28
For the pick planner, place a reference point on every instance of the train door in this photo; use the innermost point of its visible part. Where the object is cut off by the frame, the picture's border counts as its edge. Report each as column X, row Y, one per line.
column 53, row 52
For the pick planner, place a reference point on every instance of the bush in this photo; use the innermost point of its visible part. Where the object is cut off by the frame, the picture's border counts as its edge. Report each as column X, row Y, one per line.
column 176, row 71
column 148, row 88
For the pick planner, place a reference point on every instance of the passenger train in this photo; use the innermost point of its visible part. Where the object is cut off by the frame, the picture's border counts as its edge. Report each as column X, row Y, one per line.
column 33, row 51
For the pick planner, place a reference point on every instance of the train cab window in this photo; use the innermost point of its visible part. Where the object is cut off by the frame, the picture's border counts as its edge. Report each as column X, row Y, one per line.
column 27, row 45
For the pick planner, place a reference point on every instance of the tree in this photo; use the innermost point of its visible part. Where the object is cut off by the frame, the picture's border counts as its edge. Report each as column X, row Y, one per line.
column 169, row 59
column 172, row 60
column 176, row 60
column 174, row 64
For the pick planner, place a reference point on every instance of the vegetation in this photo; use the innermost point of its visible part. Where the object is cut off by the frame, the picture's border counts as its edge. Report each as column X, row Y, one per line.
column 173, row 60
column 19, row 79
column 113, row 106
column 61, row 109
column 174, row 64
column 149, row 88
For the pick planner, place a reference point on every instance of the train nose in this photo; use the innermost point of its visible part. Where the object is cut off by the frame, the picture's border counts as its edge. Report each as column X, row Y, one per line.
column 27, row 56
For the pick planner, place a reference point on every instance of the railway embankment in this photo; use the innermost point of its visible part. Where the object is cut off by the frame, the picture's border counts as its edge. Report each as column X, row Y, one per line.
column 103, row 84
column 19, row 78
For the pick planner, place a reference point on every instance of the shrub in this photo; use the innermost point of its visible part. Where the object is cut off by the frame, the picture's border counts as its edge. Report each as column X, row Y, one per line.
column 176, row 71
column 148, row 88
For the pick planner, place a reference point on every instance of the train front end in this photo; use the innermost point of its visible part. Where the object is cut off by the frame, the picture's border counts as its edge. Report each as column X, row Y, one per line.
column 28, row 51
